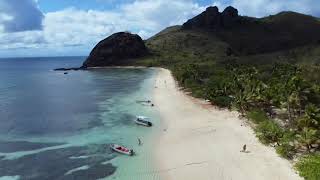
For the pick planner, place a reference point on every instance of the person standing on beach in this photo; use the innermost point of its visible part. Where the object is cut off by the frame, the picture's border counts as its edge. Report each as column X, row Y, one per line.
column 244, row 148
column 139, row 142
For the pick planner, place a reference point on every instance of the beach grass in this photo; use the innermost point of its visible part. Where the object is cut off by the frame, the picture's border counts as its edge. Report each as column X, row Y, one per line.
column 309, row 167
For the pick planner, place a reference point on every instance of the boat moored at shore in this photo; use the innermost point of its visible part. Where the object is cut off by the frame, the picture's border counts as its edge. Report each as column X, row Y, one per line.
column 121, row 149
column 143, row 121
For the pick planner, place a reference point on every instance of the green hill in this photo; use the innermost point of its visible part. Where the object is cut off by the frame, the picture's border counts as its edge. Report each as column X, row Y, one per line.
column 287, row 36
column 174, row 45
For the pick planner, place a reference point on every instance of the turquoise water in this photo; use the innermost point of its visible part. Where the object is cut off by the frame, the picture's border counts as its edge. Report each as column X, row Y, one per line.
column 56, row 126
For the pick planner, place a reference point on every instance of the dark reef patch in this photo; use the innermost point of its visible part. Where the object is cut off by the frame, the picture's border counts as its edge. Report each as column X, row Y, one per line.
column 15, row 146
column 95, row 123
column 123, row 119
column 54, row 164
column 95, row 172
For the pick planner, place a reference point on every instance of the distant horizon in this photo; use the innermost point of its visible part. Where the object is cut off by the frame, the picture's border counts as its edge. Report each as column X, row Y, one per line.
column 27, row 57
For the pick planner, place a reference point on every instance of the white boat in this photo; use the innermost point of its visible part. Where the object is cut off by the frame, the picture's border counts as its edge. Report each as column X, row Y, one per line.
column 121, row 149
column 143, row 121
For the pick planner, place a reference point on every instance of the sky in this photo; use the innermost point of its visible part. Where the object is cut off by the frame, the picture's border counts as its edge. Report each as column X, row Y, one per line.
column 30, row 28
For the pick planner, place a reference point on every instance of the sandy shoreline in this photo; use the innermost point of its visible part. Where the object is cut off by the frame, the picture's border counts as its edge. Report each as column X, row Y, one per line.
column 201, row 142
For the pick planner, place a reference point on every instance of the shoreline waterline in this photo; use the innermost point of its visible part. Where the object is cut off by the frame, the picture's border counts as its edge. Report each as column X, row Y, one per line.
column 142, row 165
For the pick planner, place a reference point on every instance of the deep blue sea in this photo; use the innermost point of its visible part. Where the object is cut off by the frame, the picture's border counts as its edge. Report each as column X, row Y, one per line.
column 58, row 126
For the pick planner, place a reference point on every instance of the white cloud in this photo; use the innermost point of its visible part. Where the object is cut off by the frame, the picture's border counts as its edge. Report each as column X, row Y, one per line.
column 74, row 27
column 20, row 15
column 80, row 28
column 154, row 15
column 26, row 39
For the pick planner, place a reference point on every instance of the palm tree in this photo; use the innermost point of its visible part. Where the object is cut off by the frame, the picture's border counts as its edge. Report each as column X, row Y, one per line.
column 311, row 117
column 288, row 89
column 307, row 137
column 240, row 101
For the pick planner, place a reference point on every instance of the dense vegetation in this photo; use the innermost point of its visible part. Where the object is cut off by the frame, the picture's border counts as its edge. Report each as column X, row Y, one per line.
column 279, row 100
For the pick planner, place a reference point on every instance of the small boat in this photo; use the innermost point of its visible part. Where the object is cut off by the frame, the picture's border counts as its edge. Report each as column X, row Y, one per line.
column 143, row 101
column 141, row 120
column 121, row 149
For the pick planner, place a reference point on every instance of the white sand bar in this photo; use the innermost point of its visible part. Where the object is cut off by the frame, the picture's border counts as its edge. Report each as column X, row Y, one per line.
column 200, row 142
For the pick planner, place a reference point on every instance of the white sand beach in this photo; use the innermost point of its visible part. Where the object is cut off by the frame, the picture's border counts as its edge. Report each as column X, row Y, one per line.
column 200, row 142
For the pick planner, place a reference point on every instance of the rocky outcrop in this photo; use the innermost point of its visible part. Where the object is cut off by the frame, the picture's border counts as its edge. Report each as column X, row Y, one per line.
column 116, row 50
column 212, row 19
column 229, row 17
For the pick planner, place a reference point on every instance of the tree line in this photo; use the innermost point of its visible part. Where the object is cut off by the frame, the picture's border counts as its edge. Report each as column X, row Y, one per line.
column 282, row 104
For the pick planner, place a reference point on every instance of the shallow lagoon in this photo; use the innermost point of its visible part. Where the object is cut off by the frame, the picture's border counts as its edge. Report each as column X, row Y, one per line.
column 56, row 126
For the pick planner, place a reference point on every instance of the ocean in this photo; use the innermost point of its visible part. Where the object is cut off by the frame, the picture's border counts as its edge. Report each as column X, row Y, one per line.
column 59, row 126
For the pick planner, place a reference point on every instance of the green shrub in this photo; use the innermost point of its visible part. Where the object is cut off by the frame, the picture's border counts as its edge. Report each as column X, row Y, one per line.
column 198, row 92
column 285, row 150
column 257, row 116
column 222, row 101
column 269, row 132
column 287, row 137
column 190, row 83
column 309, row 167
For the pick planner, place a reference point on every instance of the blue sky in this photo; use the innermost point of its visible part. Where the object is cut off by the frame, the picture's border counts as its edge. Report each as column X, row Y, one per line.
column 73, row 27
